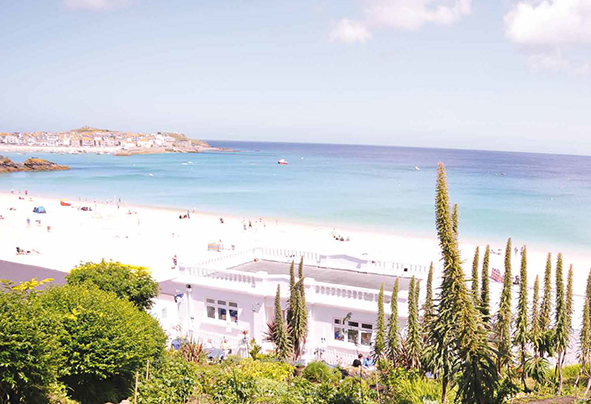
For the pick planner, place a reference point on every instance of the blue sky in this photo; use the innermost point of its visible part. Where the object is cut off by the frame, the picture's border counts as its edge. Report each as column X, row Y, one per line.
column 485, row 74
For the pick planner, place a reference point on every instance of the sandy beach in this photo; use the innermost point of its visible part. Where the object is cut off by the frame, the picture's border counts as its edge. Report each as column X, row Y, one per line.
column 151, row 236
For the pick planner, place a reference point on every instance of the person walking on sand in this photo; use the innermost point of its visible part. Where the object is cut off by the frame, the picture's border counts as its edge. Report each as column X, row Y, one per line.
column 174, row 261
column 28, row 222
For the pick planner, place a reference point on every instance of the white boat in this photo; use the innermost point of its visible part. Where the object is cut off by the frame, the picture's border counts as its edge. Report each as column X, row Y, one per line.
column 417, row 168
column 283, row 162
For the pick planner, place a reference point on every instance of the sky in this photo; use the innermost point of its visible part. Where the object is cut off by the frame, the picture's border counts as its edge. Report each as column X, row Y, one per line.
column 478, row 74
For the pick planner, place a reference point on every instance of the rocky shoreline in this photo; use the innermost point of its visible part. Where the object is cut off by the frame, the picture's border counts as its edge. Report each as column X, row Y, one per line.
column 31, row 164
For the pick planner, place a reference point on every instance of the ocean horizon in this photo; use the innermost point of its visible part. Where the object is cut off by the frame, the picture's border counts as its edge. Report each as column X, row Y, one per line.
column 537, row 199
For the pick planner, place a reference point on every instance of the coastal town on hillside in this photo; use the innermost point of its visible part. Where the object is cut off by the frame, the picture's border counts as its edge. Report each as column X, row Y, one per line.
column 92, row 140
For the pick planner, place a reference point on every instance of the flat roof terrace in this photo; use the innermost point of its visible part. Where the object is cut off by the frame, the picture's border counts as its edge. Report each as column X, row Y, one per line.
column 346, row 277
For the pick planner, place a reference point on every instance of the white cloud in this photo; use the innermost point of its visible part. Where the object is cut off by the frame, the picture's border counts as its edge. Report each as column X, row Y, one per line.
column 348, row 31
column 549, row 22
column 412, row 14
column 399, row 14
column 545, row 27
column 554, row 62
column 95, row 5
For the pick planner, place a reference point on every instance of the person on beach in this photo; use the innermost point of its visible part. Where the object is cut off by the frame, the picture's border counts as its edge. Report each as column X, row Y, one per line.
column 174, row 261
column 28, row 222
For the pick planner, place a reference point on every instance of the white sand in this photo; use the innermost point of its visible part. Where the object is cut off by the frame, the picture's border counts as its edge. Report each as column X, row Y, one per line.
column 146, row 238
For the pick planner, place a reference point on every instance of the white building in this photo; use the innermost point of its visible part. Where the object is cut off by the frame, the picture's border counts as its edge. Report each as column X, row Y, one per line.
column 209, row 301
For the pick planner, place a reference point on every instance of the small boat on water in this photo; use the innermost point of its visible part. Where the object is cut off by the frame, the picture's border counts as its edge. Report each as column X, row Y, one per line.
column 417, row 168
column 283, row 162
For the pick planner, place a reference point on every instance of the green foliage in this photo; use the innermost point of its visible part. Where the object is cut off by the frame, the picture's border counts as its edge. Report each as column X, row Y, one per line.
column 379, row 346
column 393, row 340
column 29, row 349
column 104, row 339
column 503, row 325
column 126, row 281
column 172, row 380
column 320, row 372
column 569, row 300
column 455, row 218
column 428, row 304
column 585, row 333
column 484, row 292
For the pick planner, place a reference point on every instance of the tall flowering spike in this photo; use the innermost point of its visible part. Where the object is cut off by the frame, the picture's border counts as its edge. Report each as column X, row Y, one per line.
column 379, row 346
column 503, row 326
column 412, row 337
column 521, row 326
column 301, row 275
column 484, row 292
column 585, row 334
column 457, row 343
column 569, row 300
column 393, row 341
column 283, row 347
column 546, row 307
column 535, row 331
column 455, row 218
column 475, row 286
column 561, row 332
column 428, row 304
column 298, row 324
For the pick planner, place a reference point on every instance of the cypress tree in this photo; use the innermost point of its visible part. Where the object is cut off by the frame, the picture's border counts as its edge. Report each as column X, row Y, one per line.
column 283, row 347
column 485, row 293
column 503, row 326
column 413, row 343
column 585, row 334
column 475, row 286
column 521, row 336
column 561, row 322
column 393, row 342
column 379, row 347
column 458, row 344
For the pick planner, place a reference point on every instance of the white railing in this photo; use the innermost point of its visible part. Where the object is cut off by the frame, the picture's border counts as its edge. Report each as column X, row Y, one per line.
column 237, row 345
column 235, row 258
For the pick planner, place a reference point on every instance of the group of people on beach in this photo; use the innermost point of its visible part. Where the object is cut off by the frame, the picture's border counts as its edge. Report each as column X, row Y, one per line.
column 338, row 237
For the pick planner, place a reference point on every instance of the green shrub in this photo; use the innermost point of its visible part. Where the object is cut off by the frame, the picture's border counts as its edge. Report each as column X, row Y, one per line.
column 29, row 349
column 320, row 372
column 104, row 339
column 172, row 380
column 126, row 281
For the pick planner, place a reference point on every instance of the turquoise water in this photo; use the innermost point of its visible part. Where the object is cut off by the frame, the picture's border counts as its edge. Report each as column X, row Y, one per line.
column 534, row 198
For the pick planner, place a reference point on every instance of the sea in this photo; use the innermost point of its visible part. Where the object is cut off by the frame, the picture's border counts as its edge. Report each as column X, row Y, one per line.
column 541, row 200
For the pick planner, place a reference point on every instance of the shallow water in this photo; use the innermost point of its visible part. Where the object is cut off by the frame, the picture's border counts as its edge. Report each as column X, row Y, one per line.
column 536, row 198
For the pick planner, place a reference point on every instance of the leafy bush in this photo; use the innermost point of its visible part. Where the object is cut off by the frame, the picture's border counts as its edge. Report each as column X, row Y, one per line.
column 129, row 282
column 320, row 372
column 172, row 381
column 29, row 349
column 104, row 340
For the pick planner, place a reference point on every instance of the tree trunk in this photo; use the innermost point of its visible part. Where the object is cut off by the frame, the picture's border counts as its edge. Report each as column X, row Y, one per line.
column 443, row 389
column 588, row 386
column 580, row 371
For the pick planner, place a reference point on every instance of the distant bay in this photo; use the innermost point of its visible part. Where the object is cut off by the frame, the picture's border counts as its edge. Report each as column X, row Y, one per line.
column 538, row 199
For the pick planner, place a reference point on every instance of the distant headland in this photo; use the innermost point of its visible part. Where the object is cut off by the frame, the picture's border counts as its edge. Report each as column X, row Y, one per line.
column 102, row 141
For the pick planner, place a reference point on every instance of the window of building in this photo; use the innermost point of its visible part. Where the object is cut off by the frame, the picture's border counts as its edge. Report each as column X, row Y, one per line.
column 222, row 310
column 352, row 331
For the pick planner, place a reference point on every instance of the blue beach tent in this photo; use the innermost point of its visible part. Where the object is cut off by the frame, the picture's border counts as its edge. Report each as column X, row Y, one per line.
column 39, row 209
